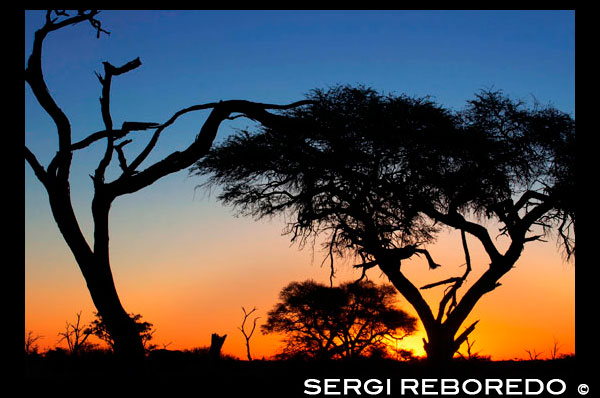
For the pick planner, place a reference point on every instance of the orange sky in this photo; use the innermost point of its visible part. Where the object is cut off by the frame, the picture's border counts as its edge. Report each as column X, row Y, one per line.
column 182, row 260
column 188, row 266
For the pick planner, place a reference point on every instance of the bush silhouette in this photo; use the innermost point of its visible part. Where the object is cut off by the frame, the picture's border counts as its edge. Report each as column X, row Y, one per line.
column 355, row 319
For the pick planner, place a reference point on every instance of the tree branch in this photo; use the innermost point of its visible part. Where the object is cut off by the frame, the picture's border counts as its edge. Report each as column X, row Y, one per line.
column 563, row 231
column 452, row 293
column 526, row 198
column 212, row 105
column 121, row 155
column 116, row 71
column 457, row 221
column 98, row 135
column 533, row 238
column 109, row 72
column 38, row 169
column 60, row 165
column 52, row 25
column 432, row 264
column 366, row 265
column 411, row 293
column 177, row 161
column 445, row 281
column 330, row 255
column 463, row 336
column 150, row 146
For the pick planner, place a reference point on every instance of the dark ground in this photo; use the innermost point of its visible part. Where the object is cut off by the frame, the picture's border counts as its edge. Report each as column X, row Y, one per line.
column 178, row 374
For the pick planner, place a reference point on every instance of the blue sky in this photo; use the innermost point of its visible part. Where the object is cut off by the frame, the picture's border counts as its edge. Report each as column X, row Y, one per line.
column 193, row 57
column 278, row 56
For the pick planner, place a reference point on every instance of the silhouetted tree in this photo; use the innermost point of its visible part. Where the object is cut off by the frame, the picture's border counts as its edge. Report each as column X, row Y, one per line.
column 554, row 350
column 473, row 356
column 533, row 354
column 247, row 335
column 76, row 335
column 144, row 329
column 93, row 259
column 346, row 321
column 31, row 347
column 379, row 176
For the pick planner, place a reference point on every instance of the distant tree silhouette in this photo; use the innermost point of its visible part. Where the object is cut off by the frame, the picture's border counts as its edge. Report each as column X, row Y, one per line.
column 554, row 350
column 144, row 329
column 76, row 335
column 93, row 259
column 248, row 335
column 379, row 176
column 347, row 321
column 473, row 356
column 31, row 346
column 533, row 354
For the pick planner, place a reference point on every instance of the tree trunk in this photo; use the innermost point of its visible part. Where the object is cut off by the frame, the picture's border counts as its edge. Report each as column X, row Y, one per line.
column 128, row 346
column 98, row 276
column 442, row 344
column 440, row 347
column 216, row 343
column 94, row 262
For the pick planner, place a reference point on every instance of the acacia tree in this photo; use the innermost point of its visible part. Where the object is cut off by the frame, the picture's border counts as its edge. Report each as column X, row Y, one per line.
column 379, row 176
column 345, row 321
column 93, row 258
column 145, row 329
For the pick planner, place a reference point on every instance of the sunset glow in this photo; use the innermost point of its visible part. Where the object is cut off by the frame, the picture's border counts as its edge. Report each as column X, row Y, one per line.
column 187, row 263
column 196, row 281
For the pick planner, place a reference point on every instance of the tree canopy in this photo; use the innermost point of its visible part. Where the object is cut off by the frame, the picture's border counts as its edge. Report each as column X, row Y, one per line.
column 361, row 164
column 346, row 321
column 378, row 176
column 145, row 329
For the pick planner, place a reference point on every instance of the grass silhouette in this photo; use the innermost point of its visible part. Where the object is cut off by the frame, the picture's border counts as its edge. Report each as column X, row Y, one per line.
column 174, row 373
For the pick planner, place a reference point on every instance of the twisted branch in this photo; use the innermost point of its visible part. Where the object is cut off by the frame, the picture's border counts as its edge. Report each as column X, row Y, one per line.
column 450, row 293
column 109, row 72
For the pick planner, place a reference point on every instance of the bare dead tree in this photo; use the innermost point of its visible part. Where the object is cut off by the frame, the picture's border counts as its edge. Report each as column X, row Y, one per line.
column 470, row 353
column 165, row 345
column 93, row 258
column 30, row 343
column 76, row 336
column 533, row 354
column 248, row 336
column 554, row 350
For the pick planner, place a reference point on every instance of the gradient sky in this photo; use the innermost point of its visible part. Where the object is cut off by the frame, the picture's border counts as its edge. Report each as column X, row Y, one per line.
column 184, row 261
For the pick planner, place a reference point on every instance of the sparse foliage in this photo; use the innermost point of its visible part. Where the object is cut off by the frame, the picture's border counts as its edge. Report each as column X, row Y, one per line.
column 145, row 330
column 76, row 335
column 378, row 177
column 348, row 321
